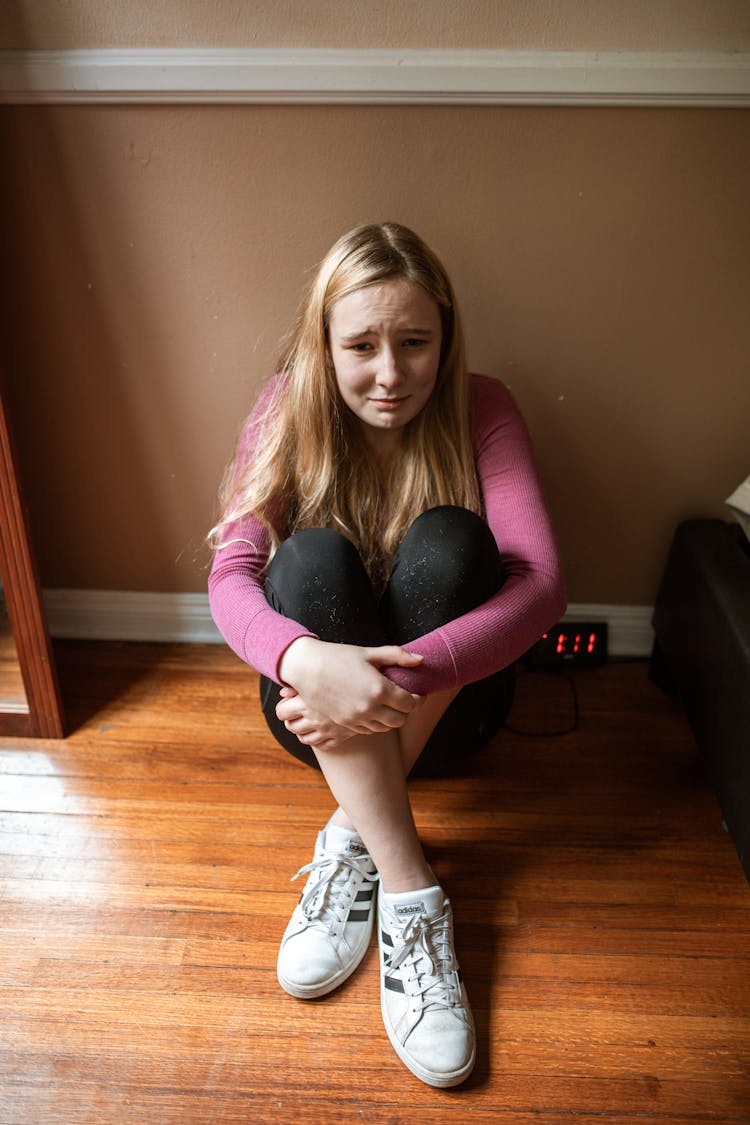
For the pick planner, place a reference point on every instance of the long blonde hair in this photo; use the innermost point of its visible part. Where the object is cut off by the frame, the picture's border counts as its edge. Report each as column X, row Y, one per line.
column 311, row 467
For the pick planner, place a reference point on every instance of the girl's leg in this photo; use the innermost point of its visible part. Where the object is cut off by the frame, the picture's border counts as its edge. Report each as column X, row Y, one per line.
column 366, row 776
column 317, row 578
column 447, row 565
column 469, row 722
column 416, row 735
column 424, row 1003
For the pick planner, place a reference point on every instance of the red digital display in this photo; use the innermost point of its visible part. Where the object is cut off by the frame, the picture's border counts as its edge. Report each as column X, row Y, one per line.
column 571, row 642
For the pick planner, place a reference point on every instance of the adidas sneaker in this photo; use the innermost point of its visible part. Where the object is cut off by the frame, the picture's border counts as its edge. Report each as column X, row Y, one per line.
column 423, row 1000
column 330, row 929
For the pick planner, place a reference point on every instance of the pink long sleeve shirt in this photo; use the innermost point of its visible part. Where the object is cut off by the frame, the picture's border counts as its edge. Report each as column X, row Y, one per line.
column 468, row 648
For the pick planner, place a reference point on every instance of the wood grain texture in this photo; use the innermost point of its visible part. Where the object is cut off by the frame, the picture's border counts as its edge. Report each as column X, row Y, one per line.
column 41, row 711
column 12, row 694
column 602, row 917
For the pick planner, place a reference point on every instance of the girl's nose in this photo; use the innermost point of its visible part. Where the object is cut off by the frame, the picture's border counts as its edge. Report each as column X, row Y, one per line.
column 389, row 373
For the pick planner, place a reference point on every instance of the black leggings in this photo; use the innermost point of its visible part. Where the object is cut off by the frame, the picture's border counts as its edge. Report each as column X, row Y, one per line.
column 447, row 564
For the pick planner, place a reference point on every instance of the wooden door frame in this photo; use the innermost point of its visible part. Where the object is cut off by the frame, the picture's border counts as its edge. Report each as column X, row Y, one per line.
column 43, row 716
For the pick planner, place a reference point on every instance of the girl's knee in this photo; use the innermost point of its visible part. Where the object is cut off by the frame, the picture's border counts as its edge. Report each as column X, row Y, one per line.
column 455, row 543
column 449, row 518
column 312, row 548
column 318, row 578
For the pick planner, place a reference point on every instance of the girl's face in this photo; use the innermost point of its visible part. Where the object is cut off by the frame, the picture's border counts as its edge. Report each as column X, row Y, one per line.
column 384, row 342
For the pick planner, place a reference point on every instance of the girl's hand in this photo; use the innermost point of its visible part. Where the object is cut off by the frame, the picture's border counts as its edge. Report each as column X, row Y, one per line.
column 343, row 683
column 311, row 728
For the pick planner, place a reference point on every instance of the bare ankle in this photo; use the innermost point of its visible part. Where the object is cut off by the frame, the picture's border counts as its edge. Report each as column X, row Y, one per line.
column 415, row 879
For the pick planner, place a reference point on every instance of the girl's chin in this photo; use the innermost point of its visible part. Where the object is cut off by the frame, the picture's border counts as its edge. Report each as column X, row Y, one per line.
column 392, row 421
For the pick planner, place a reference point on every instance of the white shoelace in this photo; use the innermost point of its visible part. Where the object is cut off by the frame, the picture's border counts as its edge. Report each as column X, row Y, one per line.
column 327, row 899
column 424, row 944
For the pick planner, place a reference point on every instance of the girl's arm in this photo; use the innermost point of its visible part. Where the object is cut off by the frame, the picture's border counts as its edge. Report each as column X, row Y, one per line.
column 236, row 584
column 533, row 597
column 342, row 682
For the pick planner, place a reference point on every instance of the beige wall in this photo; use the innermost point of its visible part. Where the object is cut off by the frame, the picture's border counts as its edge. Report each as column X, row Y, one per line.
column 156, row 254
column 666, row 25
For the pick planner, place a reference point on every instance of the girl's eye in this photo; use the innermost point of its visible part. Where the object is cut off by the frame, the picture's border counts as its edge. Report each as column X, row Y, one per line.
column 361, row 347
column 414, row 343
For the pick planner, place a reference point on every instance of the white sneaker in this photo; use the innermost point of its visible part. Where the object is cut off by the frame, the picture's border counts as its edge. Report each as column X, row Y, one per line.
column 330, row 929
column 425, row 1008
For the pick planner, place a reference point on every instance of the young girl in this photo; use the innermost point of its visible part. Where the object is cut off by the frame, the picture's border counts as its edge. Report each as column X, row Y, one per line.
column 384, row 555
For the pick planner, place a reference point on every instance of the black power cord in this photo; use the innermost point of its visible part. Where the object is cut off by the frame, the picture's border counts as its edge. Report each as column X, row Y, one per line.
column 572, row 726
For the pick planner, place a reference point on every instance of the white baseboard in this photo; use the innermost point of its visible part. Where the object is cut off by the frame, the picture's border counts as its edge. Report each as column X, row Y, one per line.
column 124, row 615
column 130, row 615
column 375, row 77
column 630, row 633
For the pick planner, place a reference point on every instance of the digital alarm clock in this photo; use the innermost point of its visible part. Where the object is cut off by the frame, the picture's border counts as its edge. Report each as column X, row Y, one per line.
column 571, row 643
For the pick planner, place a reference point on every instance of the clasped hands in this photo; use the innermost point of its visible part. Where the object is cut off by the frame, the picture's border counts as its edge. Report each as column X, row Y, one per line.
column 337, row 691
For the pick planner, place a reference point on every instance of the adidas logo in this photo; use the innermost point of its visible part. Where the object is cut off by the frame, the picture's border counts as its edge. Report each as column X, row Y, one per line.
column 411, row 908
column 355, row 848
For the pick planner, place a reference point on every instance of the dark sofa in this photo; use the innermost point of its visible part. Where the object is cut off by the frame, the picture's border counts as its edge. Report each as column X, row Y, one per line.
column 702, row 652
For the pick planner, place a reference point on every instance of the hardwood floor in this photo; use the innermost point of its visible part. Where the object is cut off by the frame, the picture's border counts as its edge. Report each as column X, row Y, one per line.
column 602, row 917
column 12, row 694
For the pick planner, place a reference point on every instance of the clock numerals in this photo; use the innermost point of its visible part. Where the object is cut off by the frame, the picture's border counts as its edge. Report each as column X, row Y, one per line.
column 573, row 642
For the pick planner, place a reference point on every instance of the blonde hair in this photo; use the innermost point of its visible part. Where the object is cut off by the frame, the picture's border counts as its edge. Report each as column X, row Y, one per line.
column 311, row 467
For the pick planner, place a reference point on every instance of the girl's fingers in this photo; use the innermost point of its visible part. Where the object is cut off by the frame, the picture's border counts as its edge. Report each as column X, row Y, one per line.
column 393, row 654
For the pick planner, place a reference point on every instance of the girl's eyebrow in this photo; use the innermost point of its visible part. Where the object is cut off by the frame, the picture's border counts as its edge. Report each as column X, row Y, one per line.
column 372, row 331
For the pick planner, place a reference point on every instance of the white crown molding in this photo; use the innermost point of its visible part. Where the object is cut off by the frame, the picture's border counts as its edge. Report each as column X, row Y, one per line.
column 374, row 77
column 124, row 615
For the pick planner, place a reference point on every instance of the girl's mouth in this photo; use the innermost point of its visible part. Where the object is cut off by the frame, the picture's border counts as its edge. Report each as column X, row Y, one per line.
column 387, row 403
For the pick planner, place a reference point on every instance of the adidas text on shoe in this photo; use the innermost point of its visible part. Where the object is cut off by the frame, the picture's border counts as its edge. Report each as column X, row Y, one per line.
column 330, row 929
column 425, row 1008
